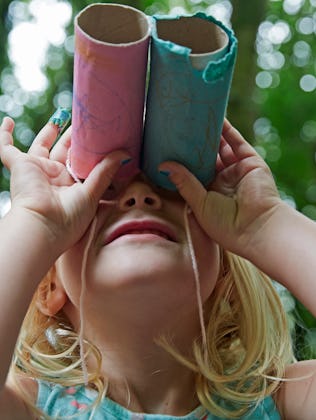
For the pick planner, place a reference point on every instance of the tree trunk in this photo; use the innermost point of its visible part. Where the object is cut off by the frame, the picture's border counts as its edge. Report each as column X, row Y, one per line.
column 246, row 18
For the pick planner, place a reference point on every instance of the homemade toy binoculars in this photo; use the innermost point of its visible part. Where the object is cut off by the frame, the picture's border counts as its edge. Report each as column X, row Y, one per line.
column 191, row 65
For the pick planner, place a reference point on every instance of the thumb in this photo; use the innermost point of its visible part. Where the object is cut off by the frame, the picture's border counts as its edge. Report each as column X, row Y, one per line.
column 189, row 187
column 212, row 210
column 103, row 173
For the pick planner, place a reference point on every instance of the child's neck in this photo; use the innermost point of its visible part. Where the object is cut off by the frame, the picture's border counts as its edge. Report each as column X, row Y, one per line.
column 143, row 376
column 170, row 393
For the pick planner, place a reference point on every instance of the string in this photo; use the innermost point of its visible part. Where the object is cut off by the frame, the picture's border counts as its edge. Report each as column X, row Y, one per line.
column 83, row 279
column 84, row 288
column 187, row 210
column 81, row 301
column 84, row 274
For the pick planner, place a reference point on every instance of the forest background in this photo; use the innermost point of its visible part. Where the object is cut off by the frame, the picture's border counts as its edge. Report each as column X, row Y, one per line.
column 272, row 101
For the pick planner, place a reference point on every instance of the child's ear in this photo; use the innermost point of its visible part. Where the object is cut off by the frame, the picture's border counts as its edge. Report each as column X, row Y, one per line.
column 51, row 296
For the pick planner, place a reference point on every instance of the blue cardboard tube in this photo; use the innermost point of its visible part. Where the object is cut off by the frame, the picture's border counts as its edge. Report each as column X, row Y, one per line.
column 185, row 106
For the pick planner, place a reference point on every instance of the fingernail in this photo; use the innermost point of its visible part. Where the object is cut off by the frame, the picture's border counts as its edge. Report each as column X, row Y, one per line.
column 165, row 173
column 126, row 161
column 60, row 118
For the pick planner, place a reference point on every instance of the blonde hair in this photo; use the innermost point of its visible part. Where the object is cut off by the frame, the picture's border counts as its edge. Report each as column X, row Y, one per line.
column 248, row 344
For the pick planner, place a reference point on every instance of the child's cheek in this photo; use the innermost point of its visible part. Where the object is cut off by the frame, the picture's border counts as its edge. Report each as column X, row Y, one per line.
column 68, row 268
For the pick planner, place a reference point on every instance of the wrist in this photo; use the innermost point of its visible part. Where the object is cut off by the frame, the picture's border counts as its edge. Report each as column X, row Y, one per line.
column 275, row 243
column 31, row 230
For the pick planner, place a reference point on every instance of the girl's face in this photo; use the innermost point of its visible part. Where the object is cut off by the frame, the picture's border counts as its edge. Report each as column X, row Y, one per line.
column 140, row 254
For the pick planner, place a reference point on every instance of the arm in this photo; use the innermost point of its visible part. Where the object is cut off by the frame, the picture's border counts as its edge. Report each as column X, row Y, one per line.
column 26, row 253
column 243, row 212
column 296, row 397
column 49, row 214
column 286, row 252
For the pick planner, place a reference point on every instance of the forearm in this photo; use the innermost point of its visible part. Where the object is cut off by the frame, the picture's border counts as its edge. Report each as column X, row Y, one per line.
column 286, row 251
column 26, row 254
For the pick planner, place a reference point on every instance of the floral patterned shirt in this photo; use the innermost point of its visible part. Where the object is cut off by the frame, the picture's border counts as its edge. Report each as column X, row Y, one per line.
column 58, row 401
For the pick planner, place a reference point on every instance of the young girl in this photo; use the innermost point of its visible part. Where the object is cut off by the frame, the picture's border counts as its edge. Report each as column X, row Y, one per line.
column 139, row 303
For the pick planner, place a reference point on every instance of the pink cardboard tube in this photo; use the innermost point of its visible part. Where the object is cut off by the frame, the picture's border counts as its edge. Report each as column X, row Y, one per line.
column 111, row 52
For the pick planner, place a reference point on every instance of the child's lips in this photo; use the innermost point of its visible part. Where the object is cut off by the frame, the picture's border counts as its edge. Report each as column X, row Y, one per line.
column 141, row 227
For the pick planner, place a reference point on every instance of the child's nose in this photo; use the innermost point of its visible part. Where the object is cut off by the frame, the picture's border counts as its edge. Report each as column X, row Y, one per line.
column 139, row 195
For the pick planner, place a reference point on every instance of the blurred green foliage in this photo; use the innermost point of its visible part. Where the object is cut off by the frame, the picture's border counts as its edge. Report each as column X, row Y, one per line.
column 272, row 100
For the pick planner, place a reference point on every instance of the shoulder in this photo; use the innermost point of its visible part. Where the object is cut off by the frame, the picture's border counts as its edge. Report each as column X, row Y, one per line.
column 296, row 396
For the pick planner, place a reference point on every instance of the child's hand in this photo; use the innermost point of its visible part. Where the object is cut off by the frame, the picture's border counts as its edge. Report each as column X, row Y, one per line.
column 42, row 188
column 241, row 199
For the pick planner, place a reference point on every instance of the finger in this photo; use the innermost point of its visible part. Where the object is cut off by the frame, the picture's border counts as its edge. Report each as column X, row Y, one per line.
column 56, row 172
column 59, row 152
column 239, row 145
column 60, row 118
column 219, row 164
column 44, row 140
column 7, row 124
column 6, row 130
column 46, row 137
column 226, row 153
column 189, row 187
column 8, row 152
column 103, row 173
column 207, row 206
column 227, row 180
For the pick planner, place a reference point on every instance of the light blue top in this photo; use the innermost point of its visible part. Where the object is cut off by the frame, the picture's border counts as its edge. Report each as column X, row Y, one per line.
column 56, row 400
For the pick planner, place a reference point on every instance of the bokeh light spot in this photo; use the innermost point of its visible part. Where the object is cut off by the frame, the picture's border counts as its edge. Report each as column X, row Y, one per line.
column 311, row 193
column 291, row 7
column 308, row 132
column 221, row 10
column 305, row 25
column 308, row 83
column 264, row 79
column 29, row 40
column 309, row 211
column 5, row 203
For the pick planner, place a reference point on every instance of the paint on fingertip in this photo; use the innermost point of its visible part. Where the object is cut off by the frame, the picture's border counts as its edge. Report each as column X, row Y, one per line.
column 126, row 161
column 60, row 118
column 165, row 173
